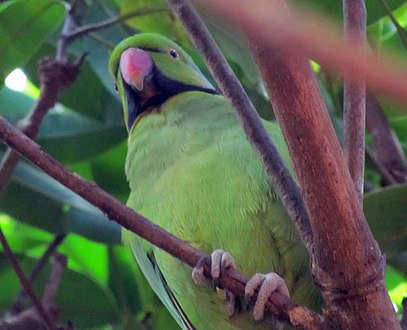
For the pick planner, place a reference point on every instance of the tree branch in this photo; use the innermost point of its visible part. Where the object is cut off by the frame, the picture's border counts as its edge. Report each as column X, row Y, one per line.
column 387, row 178
column 388, row 148
column 54, row 280
column 400, row 30
column 30, row 318
column 25, row 283
column 346, row 260
column 18, row 305
column 235, row 282
column 68, row 26
column 55, row 75
column 403, row 322
column 86, row 29
column 354, row 97
column 231, row 88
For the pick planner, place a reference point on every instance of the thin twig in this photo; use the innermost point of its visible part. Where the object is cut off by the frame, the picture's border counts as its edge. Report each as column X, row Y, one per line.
column 389, row 151
column 235, row 282
column 385, row 174
column 403, row 322
column 25, row 283
column 400, row 30
column 86, row 29
column 54, row 75
column 105, row 43
column 54, row 280
column 18, row 304
column 68, row 26
column 249, row 118
column 354, row 98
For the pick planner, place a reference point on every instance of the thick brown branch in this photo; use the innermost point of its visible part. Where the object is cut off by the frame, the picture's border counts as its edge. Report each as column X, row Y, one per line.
column 249, row 118
column 134, row 222
column 25, row 283
column 346, row 261
column 388, row 148
column 354, row 112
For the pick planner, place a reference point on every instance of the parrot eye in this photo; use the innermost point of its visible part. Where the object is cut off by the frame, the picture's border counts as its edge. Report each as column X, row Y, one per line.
column 173, row 53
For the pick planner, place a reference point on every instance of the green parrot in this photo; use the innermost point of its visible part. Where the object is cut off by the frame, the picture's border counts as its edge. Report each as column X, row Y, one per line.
column 192, row 171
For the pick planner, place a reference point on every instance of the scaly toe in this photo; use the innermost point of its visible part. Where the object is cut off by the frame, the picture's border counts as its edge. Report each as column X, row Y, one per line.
column 221, row 262
column 267, row 284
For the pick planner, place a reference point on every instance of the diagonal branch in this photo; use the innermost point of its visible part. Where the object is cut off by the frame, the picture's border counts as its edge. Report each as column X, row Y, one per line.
column 389, row 151
column 55, row 75
column 249, row 118
column 18, row 305
column 278, row 303
column 354, row 98
column 25, row 283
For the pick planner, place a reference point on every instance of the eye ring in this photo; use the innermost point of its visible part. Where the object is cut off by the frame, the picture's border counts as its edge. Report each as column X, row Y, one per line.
column 173, row 53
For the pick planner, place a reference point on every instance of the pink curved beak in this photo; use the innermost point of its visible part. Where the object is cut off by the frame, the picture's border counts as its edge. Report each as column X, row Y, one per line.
column 135, row 65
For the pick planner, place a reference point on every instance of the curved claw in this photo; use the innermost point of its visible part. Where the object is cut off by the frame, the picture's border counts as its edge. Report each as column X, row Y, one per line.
column 221, row 262
column 198, row 272
column 267, row 284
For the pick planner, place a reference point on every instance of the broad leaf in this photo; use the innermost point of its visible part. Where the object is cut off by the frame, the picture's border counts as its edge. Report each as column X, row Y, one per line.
column 24, row 26
column 386, row 212
column 36, row 199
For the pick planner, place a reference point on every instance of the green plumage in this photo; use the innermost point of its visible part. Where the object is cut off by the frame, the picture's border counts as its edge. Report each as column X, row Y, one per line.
column 193, row 172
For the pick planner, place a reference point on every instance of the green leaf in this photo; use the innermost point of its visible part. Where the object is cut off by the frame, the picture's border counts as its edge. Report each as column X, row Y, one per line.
column 233, row 48
column 396, row 283
column 108, row 171
column 386, row 212
column 36, row 199
column 23, row 238
column 123, row 272
column 375, row 9
column 24, row 26
column 161, row 22
column 93, row 83
column 62, row 130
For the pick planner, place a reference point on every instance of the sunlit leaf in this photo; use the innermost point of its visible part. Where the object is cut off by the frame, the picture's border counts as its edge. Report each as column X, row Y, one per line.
column 24, row 25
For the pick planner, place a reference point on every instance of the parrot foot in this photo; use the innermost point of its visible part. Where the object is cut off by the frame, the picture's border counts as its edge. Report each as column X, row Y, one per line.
column 267, row 284
column 221, row 263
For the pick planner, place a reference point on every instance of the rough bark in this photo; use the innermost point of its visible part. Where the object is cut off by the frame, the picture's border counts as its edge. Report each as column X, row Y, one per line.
column 346, row 261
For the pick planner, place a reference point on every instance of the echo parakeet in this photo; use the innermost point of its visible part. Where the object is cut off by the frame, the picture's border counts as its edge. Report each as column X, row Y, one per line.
column 193, row 172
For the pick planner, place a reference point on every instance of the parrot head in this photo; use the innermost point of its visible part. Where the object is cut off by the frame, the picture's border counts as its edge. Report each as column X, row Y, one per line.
column 148, row 70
